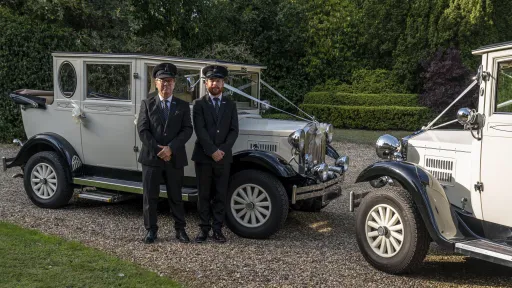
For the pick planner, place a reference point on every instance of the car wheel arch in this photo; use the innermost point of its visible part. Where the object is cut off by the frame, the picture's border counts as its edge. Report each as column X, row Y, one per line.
column 415, row 181
column 49, row 142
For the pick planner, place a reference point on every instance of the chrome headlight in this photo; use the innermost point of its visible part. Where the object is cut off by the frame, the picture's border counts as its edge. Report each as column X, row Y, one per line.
column 329, row 132
column 297, row 140
column 388, row 147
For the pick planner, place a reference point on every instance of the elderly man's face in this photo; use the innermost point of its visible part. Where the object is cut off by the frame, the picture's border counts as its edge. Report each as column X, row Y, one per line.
column 215, row 85
column 165, row 86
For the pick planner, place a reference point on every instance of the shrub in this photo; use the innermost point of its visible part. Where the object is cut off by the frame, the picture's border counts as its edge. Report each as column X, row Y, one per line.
column 347, row 99
column 280, row 116
column 365, row 81
column 25, row 62
column 373, row 118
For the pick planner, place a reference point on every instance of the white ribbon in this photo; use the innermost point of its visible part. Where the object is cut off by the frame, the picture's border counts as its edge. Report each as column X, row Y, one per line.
column 279, row 94
column 229, row 87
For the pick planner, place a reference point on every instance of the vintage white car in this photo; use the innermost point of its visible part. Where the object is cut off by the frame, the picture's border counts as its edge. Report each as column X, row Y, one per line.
column 83, row 134
column 454, row 186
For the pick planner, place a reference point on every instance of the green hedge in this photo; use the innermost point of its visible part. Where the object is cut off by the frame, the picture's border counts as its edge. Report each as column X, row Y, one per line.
column 348, row 99
column 26, row 62
column 373, row 118
column 281, row 116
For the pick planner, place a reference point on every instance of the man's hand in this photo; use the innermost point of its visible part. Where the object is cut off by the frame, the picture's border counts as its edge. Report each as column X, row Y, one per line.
column 218, row 155
column 165, row 153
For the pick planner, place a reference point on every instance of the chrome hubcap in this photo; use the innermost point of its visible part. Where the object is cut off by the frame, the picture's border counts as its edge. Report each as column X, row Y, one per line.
column 43, row 180
column 250, row 205
column 384, row 230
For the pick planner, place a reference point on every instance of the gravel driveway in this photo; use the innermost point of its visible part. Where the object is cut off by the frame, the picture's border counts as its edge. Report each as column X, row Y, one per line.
column 313, row 249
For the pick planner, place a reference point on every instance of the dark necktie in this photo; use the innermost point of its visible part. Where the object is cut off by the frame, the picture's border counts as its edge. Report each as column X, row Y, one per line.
column 216, row 105
column 166, row 109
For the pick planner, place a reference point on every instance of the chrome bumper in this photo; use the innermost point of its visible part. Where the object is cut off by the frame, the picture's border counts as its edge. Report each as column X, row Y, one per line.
column 329, row 190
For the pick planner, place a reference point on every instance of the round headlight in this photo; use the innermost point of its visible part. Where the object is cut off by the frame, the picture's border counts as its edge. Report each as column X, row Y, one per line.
column 329, row 131
column 297, row 139
column 387, row 146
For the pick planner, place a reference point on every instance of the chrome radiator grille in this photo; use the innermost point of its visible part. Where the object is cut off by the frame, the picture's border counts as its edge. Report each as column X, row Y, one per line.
column 315, row 144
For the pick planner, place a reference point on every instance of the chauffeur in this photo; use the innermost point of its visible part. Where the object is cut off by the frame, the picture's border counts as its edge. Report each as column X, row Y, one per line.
column 164, row 126
column 216, row 126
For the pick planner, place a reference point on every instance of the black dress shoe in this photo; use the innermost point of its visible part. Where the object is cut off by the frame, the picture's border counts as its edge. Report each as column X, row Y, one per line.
column 182, row 236
column 218, row 237
column 201, row 237
column 150, row 237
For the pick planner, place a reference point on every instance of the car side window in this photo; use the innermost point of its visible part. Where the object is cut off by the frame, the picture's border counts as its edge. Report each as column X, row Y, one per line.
column 182, row 88
column 503, row 103
column 108, row 81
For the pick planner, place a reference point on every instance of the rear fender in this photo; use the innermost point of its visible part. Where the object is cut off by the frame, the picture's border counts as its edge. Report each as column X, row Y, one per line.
column 428, row 195
column 49, row 142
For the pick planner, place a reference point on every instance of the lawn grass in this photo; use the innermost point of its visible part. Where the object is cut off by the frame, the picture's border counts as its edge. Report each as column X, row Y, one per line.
column 29, row 258
column 364, row 136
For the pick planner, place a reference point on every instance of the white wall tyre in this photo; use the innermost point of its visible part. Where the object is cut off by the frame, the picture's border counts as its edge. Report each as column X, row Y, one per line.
column 45, row 180
column 256, row 204
column 390, row 232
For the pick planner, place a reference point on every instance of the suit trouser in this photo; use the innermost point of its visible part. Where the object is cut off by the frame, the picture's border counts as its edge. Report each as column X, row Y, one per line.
column 212, row 181
column 173, row 178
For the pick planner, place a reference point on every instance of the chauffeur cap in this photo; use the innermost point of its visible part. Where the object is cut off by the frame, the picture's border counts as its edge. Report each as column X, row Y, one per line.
column 215, row 71
column 165, row 70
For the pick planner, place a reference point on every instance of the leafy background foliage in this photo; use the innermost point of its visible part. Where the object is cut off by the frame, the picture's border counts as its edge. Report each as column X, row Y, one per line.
column 351, row 46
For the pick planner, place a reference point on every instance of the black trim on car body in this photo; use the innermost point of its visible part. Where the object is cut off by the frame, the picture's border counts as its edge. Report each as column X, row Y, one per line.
column 49, row 141
column 331, row 152
column 268, row 161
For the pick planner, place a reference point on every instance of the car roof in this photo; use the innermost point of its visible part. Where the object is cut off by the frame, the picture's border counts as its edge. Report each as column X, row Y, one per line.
column 493, row 48
column 156, row 57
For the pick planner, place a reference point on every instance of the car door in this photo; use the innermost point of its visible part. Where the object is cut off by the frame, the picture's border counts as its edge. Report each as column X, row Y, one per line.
column 108, row 131
column 496, row 158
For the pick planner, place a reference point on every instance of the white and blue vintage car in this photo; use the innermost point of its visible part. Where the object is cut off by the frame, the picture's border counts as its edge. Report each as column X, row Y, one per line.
column 83, row 134
column 452, row 184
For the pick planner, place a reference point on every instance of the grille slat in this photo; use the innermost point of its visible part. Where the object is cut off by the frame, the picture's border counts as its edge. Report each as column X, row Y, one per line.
column 263, row 145
column 441, row 168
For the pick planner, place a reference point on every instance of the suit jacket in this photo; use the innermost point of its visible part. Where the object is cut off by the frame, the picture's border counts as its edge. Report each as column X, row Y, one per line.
column 214, row 132
column 154, row 130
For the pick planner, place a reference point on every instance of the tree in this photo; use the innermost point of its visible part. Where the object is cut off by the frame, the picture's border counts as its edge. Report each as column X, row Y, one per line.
column 445, row 77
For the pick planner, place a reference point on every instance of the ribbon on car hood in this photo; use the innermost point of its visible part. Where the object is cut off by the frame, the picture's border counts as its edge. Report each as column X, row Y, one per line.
column 231, row 88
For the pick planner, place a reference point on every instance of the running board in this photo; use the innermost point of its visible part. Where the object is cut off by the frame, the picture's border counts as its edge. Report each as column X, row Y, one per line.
column 486, row 250
column 187, row 194
column 104, row 196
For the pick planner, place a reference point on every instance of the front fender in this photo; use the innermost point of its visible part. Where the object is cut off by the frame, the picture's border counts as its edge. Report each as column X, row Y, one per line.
column 428, row 195
column 49, row 142
column 269, row 161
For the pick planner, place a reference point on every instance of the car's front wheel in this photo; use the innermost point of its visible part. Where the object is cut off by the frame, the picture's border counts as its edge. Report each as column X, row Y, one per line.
column 45, row 180
column 257, row 204
column 390, row 232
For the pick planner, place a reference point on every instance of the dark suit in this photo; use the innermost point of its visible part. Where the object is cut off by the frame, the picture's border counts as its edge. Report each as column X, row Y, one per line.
column 175, row 132
column 214, row 132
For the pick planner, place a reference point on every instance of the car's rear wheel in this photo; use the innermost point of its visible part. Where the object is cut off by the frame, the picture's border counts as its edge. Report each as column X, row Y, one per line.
column 257, row 204
column 45, row 180
column 390, row 232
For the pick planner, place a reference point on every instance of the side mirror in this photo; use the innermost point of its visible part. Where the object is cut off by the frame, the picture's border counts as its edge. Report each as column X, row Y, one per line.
column 265, row 105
